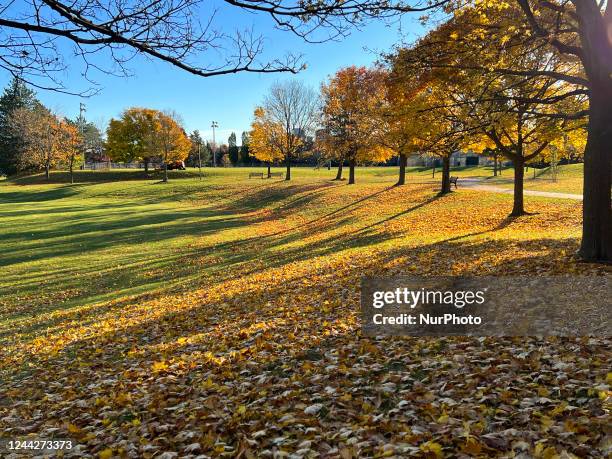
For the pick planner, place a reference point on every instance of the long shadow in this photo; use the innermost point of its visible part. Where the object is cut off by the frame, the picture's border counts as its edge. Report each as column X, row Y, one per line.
column 403, row 213
column 14, row 197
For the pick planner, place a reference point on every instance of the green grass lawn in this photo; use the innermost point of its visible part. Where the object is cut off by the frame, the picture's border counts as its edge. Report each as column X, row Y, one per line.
column 113, row 234
column 569, row 179
column 134, row 311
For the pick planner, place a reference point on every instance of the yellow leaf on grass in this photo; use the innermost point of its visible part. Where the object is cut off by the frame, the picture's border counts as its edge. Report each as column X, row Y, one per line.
column 159, row 366
column 106, row 454
column 472, row 446
column 73, row 429
column 432, row 449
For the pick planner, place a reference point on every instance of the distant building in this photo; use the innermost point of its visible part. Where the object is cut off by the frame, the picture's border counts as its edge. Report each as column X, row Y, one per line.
column 458, row 159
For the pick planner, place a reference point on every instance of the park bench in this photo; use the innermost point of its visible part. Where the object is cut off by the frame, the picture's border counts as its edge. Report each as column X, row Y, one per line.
column 453, row 181
column 256, row 174
column 276, row 174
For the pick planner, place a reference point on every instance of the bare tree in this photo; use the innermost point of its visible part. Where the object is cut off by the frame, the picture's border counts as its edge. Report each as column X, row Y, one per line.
column 294, row 107
column 185, row 33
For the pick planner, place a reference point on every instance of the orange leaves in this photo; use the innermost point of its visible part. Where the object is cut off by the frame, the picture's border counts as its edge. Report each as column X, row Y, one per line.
column 351, row 98
column 266, row 137
column 146, row 133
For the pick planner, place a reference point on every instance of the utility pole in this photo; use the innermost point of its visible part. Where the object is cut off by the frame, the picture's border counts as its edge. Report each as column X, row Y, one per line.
column 214, row 125
column 82, row 110
column 199, row 159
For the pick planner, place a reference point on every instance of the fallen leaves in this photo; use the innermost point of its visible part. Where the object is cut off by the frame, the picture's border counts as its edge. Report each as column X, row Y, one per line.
column 265, row 357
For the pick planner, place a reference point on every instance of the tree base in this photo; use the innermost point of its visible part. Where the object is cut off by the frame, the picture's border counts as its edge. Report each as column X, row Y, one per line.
column 581, row 257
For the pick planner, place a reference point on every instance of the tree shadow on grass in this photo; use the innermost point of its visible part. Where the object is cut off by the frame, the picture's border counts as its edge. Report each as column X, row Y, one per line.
column 17, row 197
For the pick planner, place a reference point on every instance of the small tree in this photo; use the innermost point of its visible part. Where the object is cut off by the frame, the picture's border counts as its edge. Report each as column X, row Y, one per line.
column 70, row 144
column 171, row 139
column 266, row 138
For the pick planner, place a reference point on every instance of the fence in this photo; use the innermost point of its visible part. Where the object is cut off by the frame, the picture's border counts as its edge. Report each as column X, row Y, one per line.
column 106, row 165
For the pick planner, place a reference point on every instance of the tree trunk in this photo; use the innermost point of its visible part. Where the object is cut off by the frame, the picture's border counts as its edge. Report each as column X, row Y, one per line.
column 446, row 185
column 596, row 242
column 594, row 32
column 519, row 175
column 47, row 168
column 339, row 173
column 495, row 166
column 269, row 171
column 165, row 172
column 71, row 170
column 433, row 170
column 351, row 171
column 403, row 160
column 288, row 161
column 146, row 165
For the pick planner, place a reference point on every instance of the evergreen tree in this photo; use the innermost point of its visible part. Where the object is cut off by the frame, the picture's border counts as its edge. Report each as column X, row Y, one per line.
column 233, row 151
column 245, row 157
column 192, row 159
column 16, row 95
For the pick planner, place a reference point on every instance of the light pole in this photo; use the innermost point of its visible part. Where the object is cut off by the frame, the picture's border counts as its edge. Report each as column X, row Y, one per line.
column 199, row 159
column 82, row 110
column 214, row 125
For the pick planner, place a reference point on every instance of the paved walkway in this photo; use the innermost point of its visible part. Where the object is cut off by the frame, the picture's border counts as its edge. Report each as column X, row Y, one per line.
column 476, row 184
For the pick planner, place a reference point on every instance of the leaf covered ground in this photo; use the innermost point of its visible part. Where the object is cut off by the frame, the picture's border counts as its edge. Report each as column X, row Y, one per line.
column 220, row 319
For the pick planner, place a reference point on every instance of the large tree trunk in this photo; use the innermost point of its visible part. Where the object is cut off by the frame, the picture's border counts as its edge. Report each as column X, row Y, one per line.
column 351, row 171
column 269, row 171
column 47, row 169
column 446, row 185
column 594, row 33
column 146, row 166
column 596, row 209
column 519, row 175
column 495, row 166
column 288, row 161
column 165, row 172
column 403, row 160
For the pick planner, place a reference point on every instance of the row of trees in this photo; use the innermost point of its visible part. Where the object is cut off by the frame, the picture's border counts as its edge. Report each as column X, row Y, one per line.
column 151, row 136
column 33, row 138
column 436, row 98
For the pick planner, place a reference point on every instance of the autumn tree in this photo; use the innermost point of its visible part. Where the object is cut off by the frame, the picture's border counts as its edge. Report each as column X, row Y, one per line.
column 71, row 144
column 513, row 112
column 39, row 130
column 130, row 138
column 265, row 138
column 170, row 139
column 401, row 119
column 575, row 33
column 350, row 99
column 292, row 109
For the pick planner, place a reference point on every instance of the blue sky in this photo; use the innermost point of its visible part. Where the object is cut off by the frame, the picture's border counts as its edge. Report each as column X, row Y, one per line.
column 229, row 100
